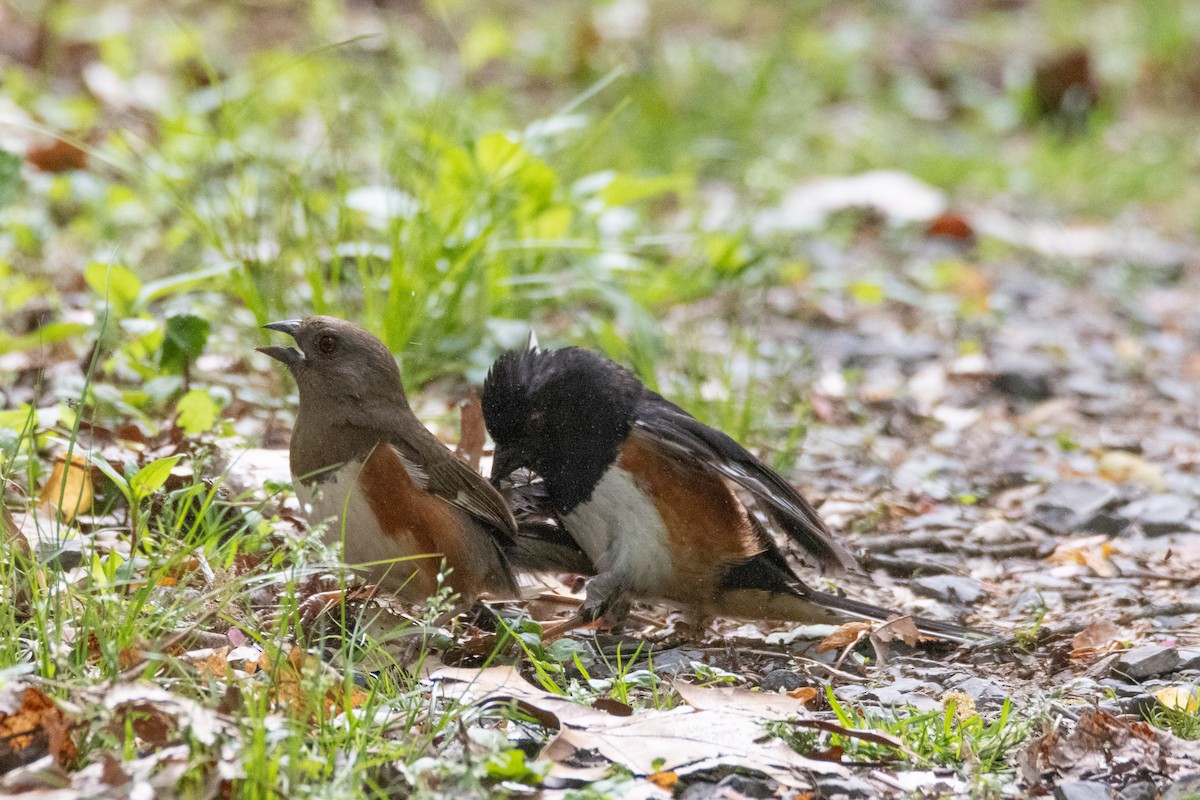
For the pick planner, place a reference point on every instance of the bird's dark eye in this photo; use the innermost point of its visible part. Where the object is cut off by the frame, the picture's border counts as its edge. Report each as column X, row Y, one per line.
column 533, row 423
column 327, row 343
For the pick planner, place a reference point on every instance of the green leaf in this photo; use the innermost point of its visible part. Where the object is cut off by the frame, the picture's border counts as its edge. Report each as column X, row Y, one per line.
column 625, row 189
column 510, row 765
column 196, row 412
column 184, row 342
column 566, row 649
column 116, row 284
column 151, row 477
column 178, row 284
column 499, row 156
column 47, row 334
column 109, row 472
column 487, row 39
column 10, row 177
column 867, row 293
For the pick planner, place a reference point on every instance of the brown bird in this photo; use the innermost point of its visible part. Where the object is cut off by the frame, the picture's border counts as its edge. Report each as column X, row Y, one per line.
column 395, row 497
column 647, row 492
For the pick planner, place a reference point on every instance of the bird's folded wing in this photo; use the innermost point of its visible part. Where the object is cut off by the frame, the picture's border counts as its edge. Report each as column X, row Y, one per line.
column 441, row 473
column 664, row 425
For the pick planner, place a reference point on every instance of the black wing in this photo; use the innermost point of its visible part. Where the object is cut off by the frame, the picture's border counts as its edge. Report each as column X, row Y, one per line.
column 664, row 425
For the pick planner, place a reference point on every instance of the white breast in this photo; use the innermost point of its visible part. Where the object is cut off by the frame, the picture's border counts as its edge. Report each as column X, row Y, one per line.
column 338, row 505
column 622, row 532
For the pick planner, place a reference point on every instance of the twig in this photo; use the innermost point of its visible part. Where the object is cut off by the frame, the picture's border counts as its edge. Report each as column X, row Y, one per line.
column 897, row 565
column 1169, row 610
column 938, row 542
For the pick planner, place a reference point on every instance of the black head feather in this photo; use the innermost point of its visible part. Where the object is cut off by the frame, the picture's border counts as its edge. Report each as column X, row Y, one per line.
column 562, row 413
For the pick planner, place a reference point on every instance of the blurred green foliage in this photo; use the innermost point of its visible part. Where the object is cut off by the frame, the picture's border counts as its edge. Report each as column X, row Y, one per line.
column 449, row 173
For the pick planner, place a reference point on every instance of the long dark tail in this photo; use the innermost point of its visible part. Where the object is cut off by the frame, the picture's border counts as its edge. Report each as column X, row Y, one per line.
column 930, row 627
column 765, row 587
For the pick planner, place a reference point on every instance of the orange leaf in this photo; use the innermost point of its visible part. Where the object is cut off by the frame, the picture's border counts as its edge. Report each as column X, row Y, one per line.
column 950, row 226
column 664, row 780
column 70, row 485
column 844, row 636
column 803, row 693
column 33, row 727
column 58, row 156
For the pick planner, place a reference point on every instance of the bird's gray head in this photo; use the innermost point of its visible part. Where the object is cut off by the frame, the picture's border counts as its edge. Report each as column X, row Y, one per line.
column 341, row 370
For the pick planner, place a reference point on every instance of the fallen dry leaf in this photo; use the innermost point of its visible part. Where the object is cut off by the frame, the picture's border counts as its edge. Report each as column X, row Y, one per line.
column 69, row 487
column 663, row 780
column 11, row 532
column 31, row 726
column 1103, row 747
column 1097, row 638
column 58, row 156
column 290, row 675
column 1179, row 698
column 113, row 773
column 805, row 694
column 1092, row 552
column 1065, row 84
column 767, row 705
column 900, row 629
column 157, row 715
column 949, row 225
column 679, row 741
column 891, row 193
column 845, row 636
column 1121, row 466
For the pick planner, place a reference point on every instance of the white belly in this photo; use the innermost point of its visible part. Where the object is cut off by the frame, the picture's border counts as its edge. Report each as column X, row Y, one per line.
column 338, row 507
column 622, row 532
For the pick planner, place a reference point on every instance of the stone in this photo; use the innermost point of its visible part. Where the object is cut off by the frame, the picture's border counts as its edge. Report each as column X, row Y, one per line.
column 997, row 531
column 1186, row 788
column 781, row 680
column 851, row 692
column 1144, row 662
column 1109, row 523
column 675, row 661
column 62, row 554
column 745, row 786
column 1138, row 706
column 1189, row 658
column 1082, row 790
column 1025, row 377
column 1142, row 790
column 1088, row 384
column 1162, row 514
column 850, row 788
column 1065, row 507
column 1121, row 689
column 982, row 691
column 950, row 589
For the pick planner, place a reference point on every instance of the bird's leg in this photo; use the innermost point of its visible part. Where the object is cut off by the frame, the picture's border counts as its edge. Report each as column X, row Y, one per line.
column 607, row 598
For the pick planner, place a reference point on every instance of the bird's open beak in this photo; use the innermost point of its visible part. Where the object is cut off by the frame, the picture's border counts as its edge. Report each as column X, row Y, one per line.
column 288, row 356
column 506, row 461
